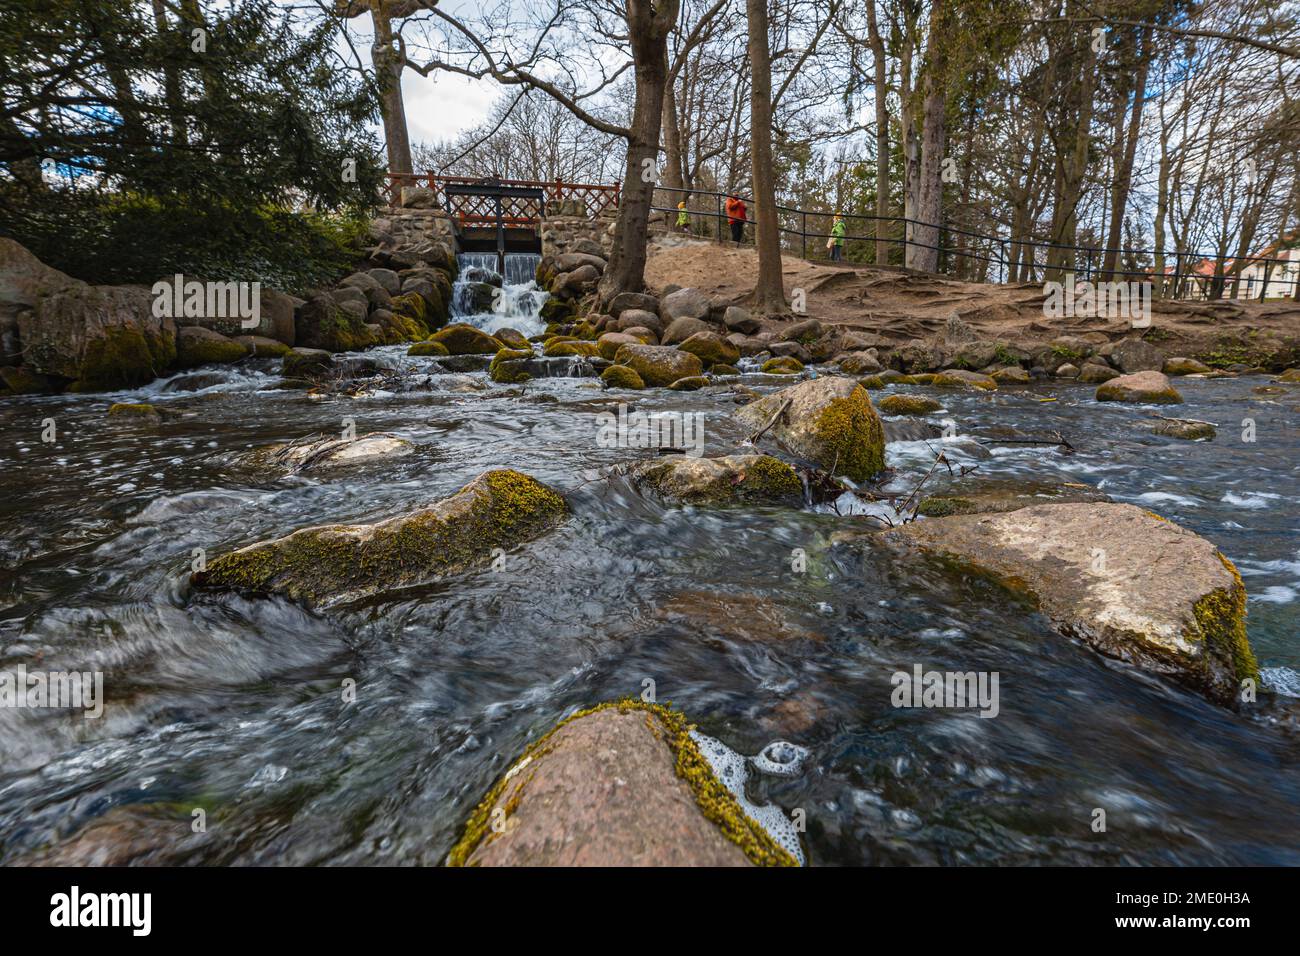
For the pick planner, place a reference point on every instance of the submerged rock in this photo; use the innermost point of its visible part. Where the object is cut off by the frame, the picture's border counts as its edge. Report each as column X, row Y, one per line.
column 331, row 564
column 1146, row 388
column 995, row 497
column 1177, row 428
column 735, row 478
column 330, row 452
column 621, row 784
column 828, row 420
column 1122, row 580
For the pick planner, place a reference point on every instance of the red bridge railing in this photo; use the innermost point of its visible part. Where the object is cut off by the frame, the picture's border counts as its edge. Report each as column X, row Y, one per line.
column 471, row 210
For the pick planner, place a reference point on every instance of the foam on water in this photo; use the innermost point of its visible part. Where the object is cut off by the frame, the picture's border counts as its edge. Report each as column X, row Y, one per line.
column 1281, row 680
column 733, row 770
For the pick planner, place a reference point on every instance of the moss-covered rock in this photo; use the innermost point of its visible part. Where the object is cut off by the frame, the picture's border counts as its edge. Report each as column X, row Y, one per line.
column 960, row 378
column 908, row 405
column 555, row 310
column 428, row 348
column 620, row 784
column 1184, row 366
column 1291, row 376
column 620, row 376
column 1144, row 388
column 783, row 365
column 507, row 366
column 609, row 343
column 724, row 370
column 332, row 564
column 872, row 383
column 141, row 411
column 462, row 339
column 1011, row 375
column 323, row 324
column 306, row 363
column 104, row 337
column 196, row 345
column 690, row 383
column 659, row 365
column 730, row 480
column 511, row 338
column 829, row 421
column 1160, row 597
column 259, row 346
column 560, row 349
column 711, row 348
column 21, row 380
column 1093, row 373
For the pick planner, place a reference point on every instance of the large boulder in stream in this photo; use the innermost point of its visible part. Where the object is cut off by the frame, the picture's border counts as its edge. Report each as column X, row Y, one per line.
column 1144, row 388
column 620, row 784
column 1122, row 580
column 24, row 281
column 332, row 564
column 462, row 339
column 734, row 479
column 323, row 323
column 827, row 420
column 104, row 337
column 658, row 365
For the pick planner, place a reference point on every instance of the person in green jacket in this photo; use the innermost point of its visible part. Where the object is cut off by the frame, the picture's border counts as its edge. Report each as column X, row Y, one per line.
column 837, row 238
column 683, row 218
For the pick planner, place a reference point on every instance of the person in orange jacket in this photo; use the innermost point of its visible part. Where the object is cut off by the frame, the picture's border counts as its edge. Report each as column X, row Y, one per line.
column 736, row 214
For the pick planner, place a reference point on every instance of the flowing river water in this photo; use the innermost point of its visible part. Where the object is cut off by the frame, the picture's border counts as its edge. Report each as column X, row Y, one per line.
column 236, row 706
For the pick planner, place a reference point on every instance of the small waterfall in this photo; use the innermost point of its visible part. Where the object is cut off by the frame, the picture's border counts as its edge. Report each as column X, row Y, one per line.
column 484, row 298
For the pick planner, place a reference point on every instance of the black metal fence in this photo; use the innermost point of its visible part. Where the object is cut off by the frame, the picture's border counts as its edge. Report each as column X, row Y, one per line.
column 979, row 257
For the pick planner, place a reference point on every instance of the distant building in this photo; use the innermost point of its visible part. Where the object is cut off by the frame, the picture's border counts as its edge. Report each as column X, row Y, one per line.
column 1281, row 276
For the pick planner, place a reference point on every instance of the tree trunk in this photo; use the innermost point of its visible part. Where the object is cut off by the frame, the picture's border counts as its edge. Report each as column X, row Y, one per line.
column 1124, row 158
column 674, row 165
column 929, row 197
column 769, row 294
column 388, row 73
column 882, row 135
column 648, row 30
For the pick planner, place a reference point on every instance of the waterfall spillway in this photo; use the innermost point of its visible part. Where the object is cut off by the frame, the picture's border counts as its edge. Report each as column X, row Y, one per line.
column 491, row 301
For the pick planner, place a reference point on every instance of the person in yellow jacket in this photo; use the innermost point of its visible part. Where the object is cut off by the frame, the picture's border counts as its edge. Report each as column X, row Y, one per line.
column 837, row 238
column 683, row 218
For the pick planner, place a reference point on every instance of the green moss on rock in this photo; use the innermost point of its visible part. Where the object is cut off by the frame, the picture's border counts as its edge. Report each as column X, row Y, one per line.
column 620, row 376
column 509, row 374
column 715, row 801
column 329, row 564
column 783, row 365
column 428, row 348
column 908, row 405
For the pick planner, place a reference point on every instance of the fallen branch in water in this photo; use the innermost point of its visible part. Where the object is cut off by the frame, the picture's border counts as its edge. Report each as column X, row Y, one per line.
column 770, row 422
column 1189, row 421
column 1058, row 440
